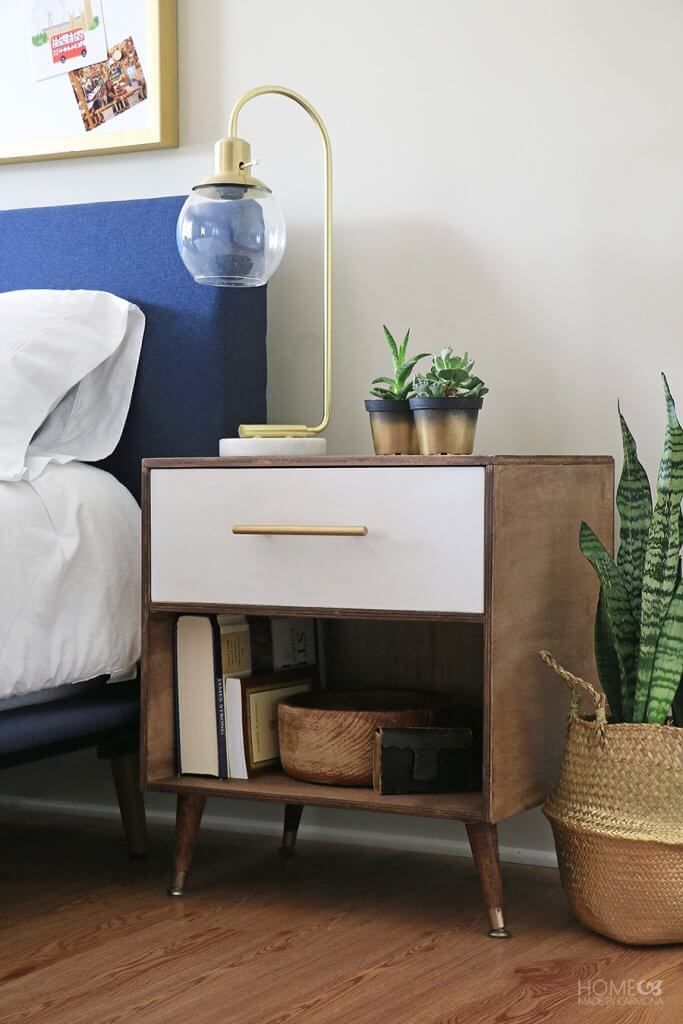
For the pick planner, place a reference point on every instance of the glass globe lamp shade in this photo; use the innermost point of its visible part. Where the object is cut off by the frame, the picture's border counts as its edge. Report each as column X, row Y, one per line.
column 231, row 236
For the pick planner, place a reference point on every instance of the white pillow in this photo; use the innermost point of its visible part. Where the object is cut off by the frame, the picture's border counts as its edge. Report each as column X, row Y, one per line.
column 67, row 367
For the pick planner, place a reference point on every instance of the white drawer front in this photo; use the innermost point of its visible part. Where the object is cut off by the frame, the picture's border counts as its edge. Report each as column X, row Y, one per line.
column 424, row 548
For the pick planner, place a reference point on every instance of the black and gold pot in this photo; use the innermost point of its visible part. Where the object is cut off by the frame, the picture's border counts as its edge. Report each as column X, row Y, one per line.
column 445, row 426
column 392, row 426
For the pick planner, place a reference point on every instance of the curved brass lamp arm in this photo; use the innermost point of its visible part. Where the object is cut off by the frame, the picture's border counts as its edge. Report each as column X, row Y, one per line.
column 300, row 430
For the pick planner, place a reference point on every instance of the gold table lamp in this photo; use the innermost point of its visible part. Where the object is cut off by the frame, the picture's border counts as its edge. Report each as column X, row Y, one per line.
column 231, row 234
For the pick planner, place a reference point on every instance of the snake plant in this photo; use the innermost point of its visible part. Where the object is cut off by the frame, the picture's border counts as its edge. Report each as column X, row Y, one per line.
column 400, row 386
column 450, row 376
column 639, row 618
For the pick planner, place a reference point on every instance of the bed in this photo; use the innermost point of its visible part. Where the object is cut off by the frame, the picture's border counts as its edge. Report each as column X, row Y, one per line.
column 183, row 400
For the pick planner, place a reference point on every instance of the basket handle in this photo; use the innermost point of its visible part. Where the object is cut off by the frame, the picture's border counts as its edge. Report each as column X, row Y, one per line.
column 577, row 686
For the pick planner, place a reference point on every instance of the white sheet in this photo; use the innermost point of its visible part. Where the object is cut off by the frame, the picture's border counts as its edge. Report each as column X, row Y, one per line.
column 67, row 367
column 69, row 578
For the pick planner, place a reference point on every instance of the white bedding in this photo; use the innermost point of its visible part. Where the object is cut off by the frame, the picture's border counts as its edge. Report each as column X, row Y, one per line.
column 68, row 361
column 69, row 533
column 70, row 578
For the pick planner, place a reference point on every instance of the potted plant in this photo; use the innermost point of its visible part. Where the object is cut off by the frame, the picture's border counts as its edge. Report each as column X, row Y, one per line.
column 391, row 421
column 617, row 807
column 446, row 403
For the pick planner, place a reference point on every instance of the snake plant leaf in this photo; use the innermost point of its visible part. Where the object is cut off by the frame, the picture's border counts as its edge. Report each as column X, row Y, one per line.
column 634, row 502
column 662, row 556
column 660, row 577
column 618, row 607
column 607, row 661
column 670, row 479
column 668, row 661
column 677, row 706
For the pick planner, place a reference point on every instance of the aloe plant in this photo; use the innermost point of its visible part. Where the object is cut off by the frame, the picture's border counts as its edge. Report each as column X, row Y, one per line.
column 450, row 376
column 400, row 386
column 639, row 619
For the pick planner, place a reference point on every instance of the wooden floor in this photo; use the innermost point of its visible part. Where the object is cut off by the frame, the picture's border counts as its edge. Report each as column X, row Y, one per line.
column 336, row 936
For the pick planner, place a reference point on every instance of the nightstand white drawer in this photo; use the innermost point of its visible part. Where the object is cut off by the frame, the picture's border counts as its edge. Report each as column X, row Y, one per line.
column 415, row 540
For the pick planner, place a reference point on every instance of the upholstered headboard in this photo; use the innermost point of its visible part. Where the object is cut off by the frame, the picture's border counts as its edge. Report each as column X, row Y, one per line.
column 203, row 364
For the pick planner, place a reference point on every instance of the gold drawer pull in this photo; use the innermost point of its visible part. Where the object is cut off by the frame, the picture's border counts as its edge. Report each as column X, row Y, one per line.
column 303, row 531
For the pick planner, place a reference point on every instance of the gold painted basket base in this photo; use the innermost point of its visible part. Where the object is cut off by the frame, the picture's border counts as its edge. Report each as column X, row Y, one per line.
column 629, row 890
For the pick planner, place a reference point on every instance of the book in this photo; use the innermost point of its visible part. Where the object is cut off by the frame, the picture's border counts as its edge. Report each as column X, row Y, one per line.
column 223, row 729
column 250, row 646
column 252, row 716
column 422, row 760
column 200, row 707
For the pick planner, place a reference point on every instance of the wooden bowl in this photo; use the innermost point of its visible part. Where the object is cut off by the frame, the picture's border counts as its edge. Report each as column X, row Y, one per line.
column 327, row 736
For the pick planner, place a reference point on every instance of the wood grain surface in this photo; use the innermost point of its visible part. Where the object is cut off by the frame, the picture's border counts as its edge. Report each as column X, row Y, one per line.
column 333, row 936
column 442, row 656
column 157, row 707
column 543, row 595
column 278, row 788
column 261, row 462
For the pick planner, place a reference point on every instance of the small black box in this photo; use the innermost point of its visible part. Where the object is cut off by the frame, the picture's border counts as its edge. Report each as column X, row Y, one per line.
column 422, row 760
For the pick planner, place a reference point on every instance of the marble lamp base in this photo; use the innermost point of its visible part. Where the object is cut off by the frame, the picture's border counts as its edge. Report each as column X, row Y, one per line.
column 289, row 447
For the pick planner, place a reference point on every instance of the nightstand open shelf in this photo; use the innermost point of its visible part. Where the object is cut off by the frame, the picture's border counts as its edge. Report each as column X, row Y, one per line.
column 467, row 567
column 354, row 654
column 278, row 788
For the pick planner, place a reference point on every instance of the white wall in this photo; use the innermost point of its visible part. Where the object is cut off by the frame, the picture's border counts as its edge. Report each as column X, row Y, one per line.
column 508, row 179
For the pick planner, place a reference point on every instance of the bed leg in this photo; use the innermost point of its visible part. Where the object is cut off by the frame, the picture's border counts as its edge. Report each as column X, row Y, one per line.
column 125, row 769
column 293, row 814
column 189, row 810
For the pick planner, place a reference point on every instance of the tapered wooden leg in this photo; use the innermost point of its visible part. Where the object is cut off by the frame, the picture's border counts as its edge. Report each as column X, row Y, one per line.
column 125, row 769
column 484, row 843
column 293, row 814
column 188, row 818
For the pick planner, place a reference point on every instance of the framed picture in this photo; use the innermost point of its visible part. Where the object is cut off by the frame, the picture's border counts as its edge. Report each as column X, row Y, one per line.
column 82, row 77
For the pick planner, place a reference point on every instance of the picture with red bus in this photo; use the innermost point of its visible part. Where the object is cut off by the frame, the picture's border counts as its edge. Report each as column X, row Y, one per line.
column 69, row 44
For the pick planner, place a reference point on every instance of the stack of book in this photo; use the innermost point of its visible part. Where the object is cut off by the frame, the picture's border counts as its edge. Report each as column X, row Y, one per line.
column 230, row 674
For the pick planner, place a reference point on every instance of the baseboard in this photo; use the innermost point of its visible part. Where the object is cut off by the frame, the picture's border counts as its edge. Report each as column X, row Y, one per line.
column 223, row 823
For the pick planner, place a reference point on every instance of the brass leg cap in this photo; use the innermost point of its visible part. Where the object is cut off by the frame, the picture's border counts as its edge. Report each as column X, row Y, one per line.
column 497, row 922
column 177, row 886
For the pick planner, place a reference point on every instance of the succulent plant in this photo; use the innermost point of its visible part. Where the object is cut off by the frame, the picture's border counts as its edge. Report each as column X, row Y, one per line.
column 449, row 376
column 400, row 386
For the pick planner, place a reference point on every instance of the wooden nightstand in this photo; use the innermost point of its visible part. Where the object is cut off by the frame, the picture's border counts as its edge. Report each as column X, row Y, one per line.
column 468, row 568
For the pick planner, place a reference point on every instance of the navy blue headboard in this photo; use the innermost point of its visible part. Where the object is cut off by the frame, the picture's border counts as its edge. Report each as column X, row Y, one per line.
column 203, row 364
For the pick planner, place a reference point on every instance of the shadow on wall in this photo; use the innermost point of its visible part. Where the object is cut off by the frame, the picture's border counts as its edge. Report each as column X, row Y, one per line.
column 427, row 277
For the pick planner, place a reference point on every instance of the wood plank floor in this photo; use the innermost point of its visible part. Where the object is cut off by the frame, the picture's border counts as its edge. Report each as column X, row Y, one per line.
column 336, row 936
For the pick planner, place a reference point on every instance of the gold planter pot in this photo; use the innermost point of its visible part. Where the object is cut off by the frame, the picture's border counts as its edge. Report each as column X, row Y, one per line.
column 445, row 426
column 392, row 426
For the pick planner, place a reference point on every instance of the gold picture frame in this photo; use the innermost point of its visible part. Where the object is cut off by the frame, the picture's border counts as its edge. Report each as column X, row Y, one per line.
column 159, row 90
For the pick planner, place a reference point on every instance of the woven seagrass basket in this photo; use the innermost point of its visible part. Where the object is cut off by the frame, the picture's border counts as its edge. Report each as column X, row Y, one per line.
column 617, row 816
